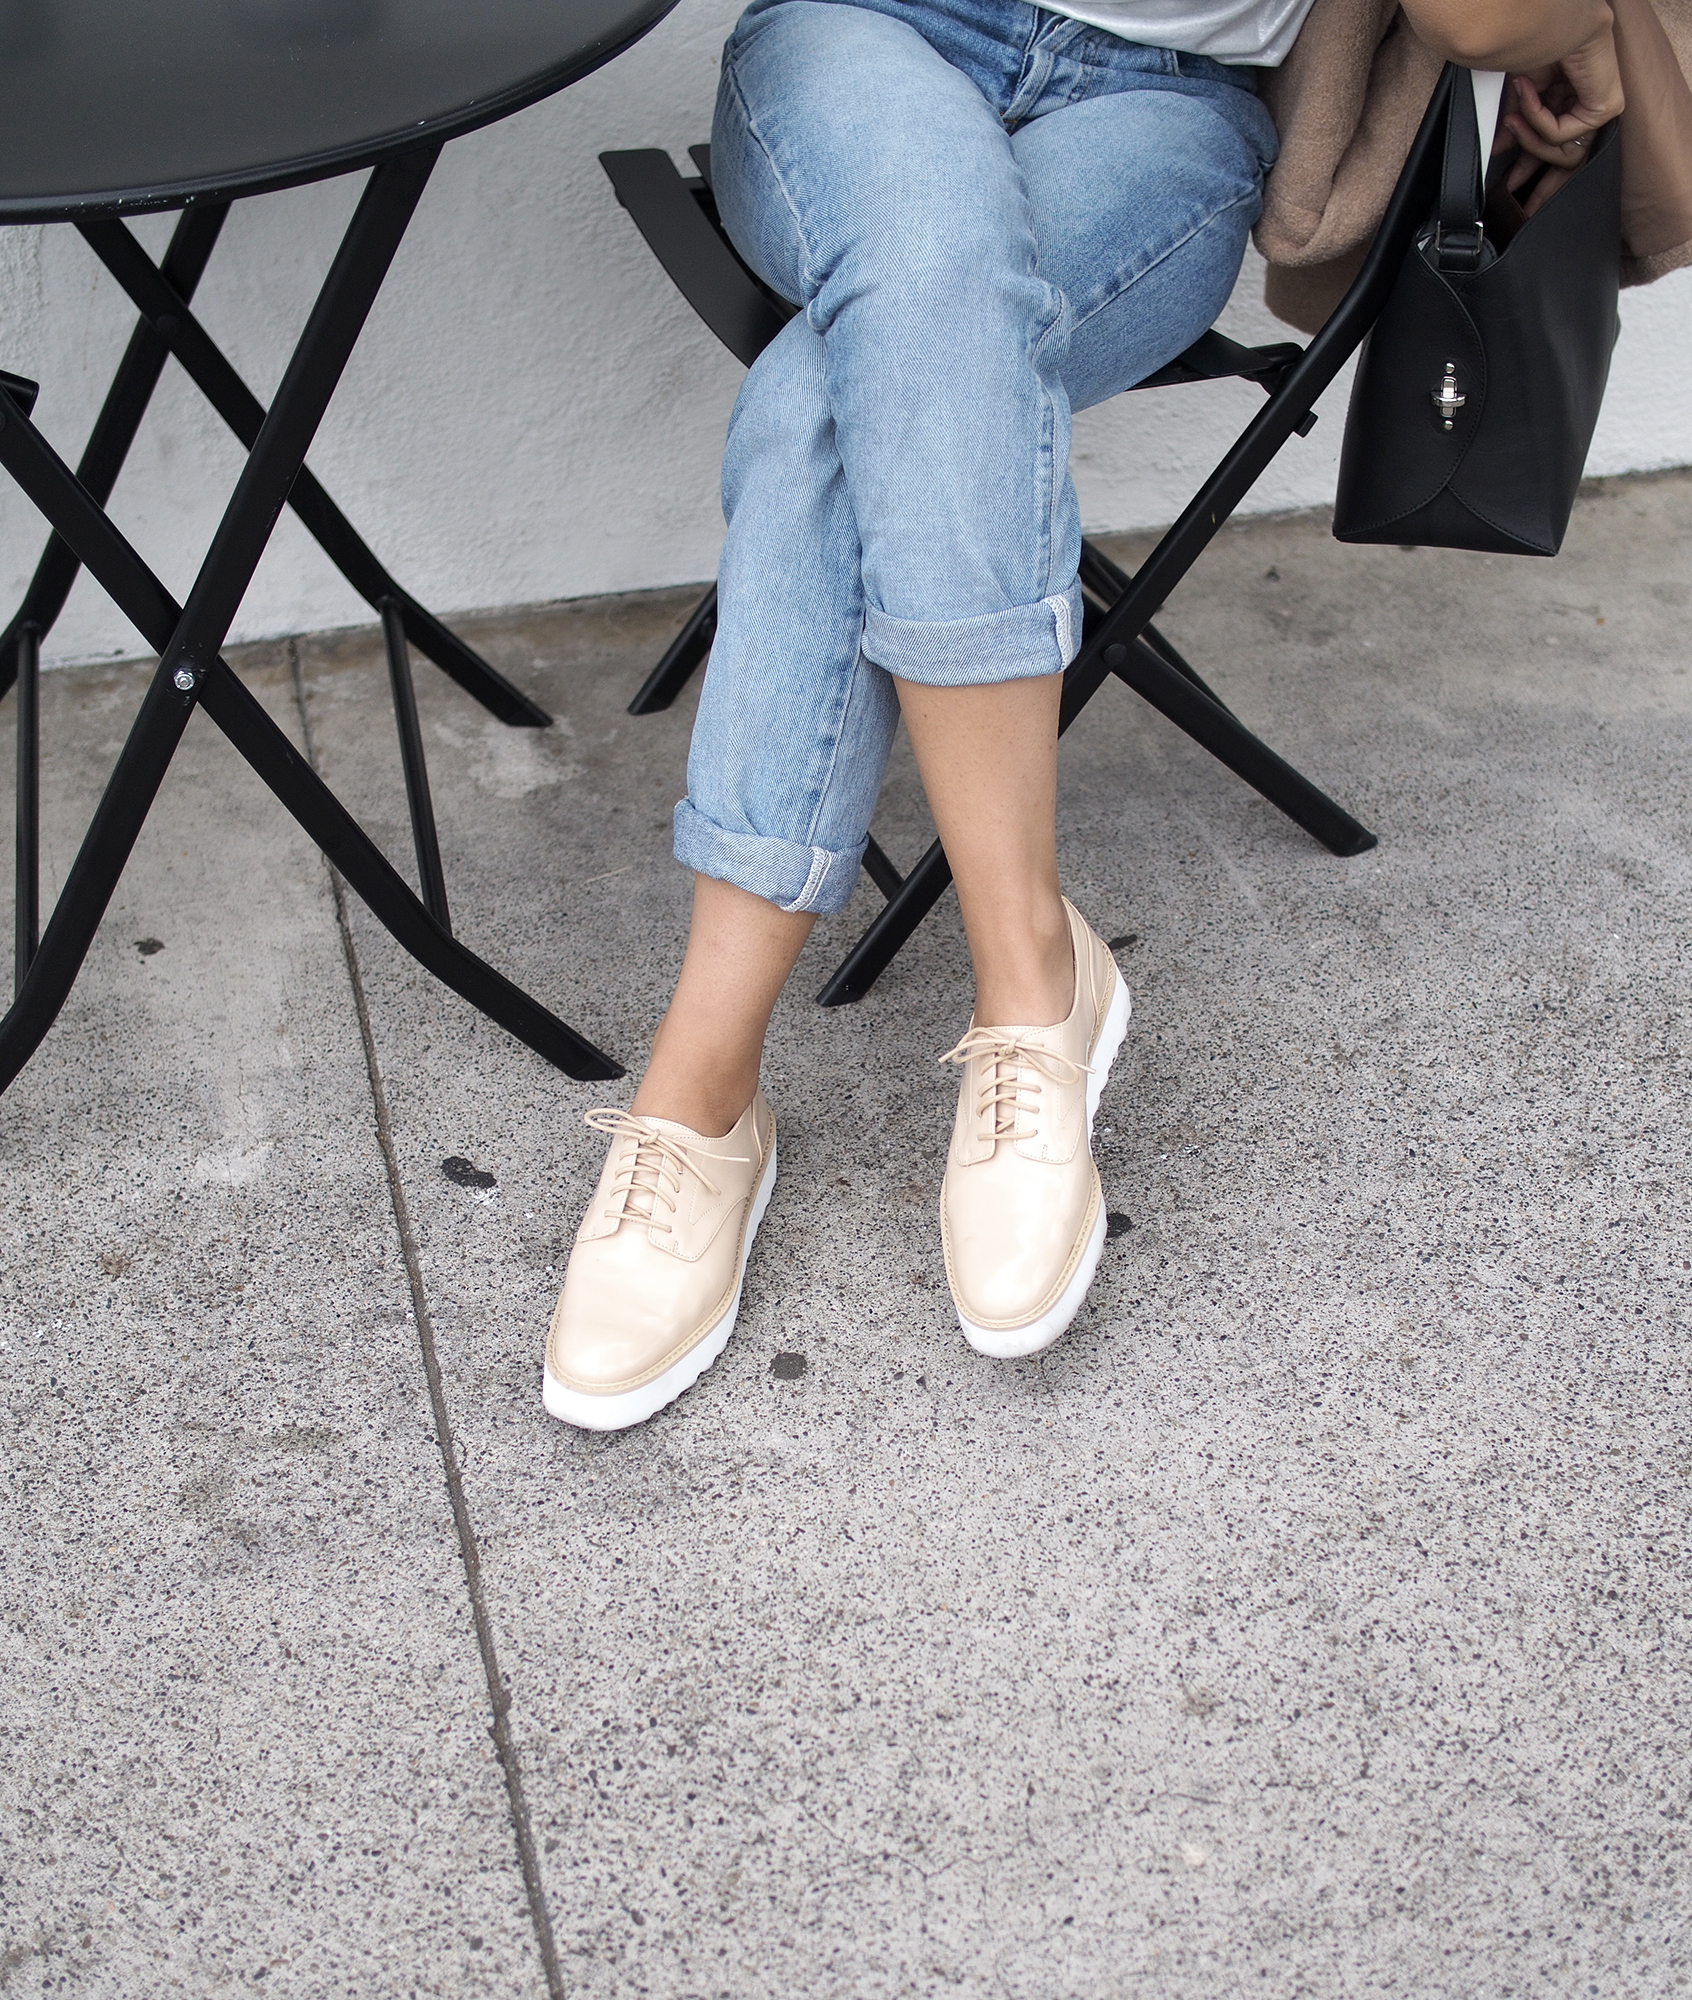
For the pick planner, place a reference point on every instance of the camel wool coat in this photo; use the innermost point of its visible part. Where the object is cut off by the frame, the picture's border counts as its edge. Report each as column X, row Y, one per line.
column 1347, row 102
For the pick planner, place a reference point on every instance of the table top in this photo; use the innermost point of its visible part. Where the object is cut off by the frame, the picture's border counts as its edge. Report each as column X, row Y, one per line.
column 116, row 106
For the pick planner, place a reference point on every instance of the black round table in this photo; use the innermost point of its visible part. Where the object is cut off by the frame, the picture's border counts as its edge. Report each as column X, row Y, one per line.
column 112, row 107
column 115, row 106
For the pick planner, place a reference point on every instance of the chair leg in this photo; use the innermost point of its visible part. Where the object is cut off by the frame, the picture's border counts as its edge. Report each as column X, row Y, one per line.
column 878, row 866
column 1153, row 669
column 686, row 652
column 26, row 879
column 1161, row 646
column 1101, row 579
column 875, row 951
column 1228, row 740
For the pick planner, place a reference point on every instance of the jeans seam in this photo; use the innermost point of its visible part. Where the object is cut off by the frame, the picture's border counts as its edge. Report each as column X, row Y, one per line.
column 1030, row 48
column 731, row 77
column 1065, row 626
column 1031, row 83
column 820, row 859
column 834, row 752
column 1048, row 469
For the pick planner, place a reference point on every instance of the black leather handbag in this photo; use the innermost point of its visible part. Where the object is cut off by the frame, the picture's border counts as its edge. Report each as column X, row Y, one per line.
column 1479, row 386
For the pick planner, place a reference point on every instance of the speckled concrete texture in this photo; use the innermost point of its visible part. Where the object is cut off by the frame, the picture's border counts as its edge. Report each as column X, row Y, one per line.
column 1313, row 1620
column 245, row 1735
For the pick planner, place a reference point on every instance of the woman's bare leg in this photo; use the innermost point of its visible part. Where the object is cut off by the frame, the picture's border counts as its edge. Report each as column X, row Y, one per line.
column 705, row 1056
column 988, row 758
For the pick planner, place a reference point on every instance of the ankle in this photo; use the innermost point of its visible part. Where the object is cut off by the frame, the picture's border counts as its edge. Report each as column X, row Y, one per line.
column 1032, row 986
column 711, row 1105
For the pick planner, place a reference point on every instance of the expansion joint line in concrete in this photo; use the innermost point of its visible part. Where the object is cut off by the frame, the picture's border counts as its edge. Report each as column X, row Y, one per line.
column 498, row 1695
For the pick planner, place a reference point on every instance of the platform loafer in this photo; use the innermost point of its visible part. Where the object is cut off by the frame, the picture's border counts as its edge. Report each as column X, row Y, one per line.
column 652, row 1289
column 1022, row 1217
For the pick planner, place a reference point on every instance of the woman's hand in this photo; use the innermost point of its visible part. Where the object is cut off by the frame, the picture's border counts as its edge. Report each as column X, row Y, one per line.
column 1552, row 114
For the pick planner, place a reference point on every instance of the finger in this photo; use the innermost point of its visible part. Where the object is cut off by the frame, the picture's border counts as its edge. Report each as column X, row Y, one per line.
column 1553, row 151
column 1523, row 171
column 1558, row 128
column 1533, row 147
column 1574, row 128
column 1547, row 186
column 1588, row 97
column 1549, row 99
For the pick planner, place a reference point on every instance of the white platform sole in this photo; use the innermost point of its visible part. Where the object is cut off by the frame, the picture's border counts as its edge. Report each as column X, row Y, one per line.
column 634, row 1406
column 1012, row 1343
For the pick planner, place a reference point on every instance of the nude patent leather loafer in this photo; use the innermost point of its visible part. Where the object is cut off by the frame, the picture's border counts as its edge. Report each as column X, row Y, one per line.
column 1022, row 1216
column 652, row 1289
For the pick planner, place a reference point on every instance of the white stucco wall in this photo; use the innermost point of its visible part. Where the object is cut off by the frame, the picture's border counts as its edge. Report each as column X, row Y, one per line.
column 533, row 413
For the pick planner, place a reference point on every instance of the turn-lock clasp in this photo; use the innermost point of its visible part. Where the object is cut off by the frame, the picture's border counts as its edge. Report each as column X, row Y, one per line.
column 1446, row 398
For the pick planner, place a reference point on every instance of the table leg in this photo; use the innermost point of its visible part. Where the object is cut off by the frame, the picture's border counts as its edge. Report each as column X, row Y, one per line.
column 164, row 308
column 114, row 430
column 431, row 878
column 134, row 783
column 99, row 862
column 278, row 451
column 373, row 877
column 190, row 667
column 26, row 874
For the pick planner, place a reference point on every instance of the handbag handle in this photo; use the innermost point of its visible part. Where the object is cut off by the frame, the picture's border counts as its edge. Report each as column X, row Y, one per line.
column 1460, row 237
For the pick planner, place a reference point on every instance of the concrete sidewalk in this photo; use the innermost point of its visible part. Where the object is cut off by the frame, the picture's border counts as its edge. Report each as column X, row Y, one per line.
column 1314, row 1620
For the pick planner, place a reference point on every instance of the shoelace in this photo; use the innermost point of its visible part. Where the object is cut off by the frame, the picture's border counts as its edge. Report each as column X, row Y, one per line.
column 653, row 1171
column 1005, row 1078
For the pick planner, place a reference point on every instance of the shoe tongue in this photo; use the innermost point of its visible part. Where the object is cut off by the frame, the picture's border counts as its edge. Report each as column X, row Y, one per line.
column 672, row 1128
column 1050, row 1037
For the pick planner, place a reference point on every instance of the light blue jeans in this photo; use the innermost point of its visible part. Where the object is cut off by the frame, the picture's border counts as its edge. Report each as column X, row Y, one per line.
column 989, row 215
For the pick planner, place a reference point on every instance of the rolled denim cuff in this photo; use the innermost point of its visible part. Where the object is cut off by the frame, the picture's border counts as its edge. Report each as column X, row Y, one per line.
column 784, row 872
column 1013, row 645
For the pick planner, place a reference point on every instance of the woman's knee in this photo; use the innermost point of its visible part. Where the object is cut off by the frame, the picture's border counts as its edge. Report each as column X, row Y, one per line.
column 1143, row 205
column 781, row 431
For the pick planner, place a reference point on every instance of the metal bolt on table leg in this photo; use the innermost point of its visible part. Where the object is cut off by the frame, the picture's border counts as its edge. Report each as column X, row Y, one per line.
column 184, row 679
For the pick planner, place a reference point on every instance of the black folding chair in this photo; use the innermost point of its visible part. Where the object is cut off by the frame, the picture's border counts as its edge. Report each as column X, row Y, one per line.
column 679, row 221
